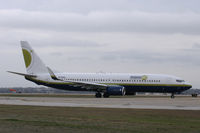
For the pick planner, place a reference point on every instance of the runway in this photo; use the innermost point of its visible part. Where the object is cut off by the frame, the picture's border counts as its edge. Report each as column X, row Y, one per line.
column 179, row 103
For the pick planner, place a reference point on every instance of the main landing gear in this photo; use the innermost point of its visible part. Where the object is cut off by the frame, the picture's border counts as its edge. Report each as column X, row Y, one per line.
column 99, row 95
column 106, row 95
column 172, row 95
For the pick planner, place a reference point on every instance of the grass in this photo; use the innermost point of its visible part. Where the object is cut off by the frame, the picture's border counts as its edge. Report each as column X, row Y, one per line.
column 96, row 120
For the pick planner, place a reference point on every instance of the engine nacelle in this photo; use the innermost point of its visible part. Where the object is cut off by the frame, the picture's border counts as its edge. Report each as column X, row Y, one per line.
column 116, row 90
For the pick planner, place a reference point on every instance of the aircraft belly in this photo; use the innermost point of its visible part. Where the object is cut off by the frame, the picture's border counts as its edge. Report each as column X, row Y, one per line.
column 159, row 89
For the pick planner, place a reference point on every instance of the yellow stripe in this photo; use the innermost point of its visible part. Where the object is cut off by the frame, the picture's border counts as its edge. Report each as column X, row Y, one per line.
column 178, row 85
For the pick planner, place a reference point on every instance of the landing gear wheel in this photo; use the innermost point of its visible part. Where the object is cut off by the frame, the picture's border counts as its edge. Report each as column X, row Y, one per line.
column 105, row 95
column 98, row 95
column 172, row 96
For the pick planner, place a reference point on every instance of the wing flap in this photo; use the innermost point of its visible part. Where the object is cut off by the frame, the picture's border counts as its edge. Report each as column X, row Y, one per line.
column 87, row 85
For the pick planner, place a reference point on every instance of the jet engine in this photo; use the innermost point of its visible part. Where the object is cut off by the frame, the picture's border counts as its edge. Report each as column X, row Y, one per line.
column 116, row 90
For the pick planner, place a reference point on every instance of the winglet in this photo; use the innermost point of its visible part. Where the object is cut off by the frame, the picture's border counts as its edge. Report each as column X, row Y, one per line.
column 53, row 76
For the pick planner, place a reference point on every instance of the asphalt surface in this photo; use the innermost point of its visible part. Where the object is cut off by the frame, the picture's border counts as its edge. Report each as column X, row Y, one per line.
column 179, row 103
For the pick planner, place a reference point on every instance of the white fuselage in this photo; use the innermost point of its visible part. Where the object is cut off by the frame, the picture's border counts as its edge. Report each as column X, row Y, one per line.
column 119, row 78
column 132, row 82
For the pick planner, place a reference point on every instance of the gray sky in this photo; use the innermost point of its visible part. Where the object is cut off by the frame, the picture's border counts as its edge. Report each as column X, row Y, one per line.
column 132, row 36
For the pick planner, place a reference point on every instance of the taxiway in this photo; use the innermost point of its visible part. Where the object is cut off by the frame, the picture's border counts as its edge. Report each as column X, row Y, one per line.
column 179, row 103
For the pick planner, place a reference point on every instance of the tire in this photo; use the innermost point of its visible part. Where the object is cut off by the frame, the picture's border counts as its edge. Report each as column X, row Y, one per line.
column 172, row 96
column 98, row 95
column 106, row 95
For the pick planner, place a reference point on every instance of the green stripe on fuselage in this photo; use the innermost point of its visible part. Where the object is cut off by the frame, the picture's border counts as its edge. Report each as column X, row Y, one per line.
column 135, row 84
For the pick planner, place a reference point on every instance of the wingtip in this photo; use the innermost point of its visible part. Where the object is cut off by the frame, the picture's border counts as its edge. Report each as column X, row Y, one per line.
column 9, row 71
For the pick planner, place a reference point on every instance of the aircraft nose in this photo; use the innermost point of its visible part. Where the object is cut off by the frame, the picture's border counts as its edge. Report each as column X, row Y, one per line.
column 188, row 85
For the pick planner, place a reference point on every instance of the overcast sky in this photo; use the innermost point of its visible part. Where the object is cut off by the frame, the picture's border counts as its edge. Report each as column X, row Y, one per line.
column 131, row 36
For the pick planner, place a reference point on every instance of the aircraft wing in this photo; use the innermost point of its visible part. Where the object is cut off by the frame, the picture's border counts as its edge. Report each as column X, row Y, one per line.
column 87, row 85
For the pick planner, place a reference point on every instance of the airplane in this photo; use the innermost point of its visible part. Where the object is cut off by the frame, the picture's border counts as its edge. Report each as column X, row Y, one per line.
column 104, row 84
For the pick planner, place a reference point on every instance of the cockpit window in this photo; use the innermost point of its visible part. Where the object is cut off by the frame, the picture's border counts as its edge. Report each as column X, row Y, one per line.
column 180, row 81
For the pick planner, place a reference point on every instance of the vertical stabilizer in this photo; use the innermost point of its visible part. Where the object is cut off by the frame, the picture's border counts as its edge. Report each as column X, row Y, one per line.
column 33, row 63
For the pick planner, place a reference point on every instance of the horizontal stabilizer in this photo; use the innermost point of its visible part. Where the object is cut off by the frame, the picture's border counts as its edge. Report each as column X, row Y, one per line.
column 22, row 74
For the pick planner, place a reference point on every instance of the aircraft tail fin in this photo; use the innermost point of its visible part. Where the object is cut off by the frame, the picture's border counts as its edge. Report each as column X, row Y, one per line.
column 33, row 63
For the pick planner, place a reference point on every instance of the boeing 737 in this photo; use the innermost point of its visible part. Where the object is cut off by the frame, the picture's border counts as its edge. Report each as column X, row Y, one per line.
column 106, row 84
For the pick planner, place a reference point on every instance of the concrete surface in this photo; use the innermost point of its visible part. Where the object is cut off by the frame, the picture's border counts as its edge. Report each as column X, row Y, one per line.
column 179, row 103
